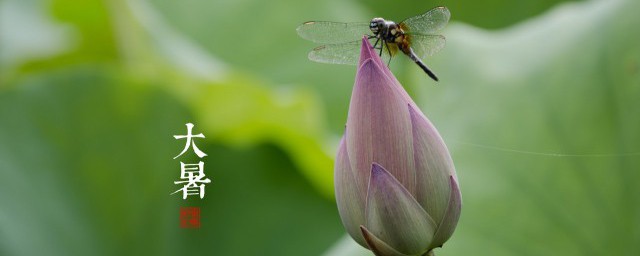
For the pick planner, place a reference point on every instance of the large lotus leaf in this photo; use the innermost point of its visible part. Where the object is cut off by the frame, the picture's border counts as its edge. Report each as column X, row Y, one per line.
column 260, row 37
column 87, row 168
column 566, row 85
column 233, row 107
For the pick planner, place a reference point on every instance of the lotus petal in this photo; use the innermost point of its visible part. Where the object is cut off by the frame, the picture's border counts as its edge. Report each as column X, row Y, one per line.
column 394, row 216
column 350, row 195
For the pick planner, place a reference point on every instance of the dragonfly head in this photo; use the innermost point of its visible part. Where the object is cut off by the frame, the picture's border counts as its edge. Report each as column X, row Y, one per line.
column 376, row 25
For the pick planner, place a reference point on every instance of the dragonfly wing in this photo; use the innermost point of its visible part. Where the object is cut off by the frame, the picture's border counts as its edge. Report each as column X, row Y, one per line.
column 344, row 53
column 426, row 45
column 428, row 22
column 327, row 32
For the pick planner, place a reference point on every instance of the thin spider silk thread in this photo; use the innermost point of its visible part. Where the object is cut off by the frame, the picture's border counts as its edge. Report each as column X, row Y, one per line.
column 510, row 150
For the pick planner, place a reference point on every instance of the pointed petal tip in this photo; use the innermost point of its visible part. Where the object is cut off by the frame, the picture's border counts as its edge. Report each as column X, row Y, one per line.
column 370, row 73
column 376, row 169
column 365, row 51
column 377, row 246
column 416, row 113
column 455, row 190
column 380, row 175
column 368, row 52
column 365, row 41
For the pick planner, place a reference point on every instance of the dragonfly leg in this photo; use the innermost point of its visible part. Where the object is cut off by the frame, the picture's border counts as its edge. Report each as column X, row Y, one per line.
column 389, row 51
column 376, row 43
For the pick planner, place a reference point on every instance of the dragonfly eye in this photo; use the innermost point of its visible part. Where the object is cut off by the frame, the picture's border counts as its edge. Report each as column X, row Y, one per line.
column 375, row 25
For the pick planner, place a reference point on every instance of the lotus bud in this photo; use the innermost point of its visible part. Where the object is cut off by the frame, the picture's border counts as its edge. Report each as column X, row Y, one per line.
column 396, row 186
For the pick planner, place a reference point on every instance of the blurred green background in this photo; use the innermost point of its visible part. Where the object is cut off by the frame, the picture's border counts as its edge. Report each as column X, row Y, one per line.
column 539, row 103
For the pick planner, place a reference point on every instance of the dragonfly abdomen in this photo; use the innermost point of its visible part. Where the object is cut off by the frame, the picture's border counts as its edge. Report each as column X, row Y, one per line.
column 409, row 52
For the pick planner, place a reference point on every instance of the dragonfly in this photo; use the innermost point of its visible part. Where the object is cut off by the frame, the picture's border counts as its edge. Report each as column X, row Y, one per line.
column 415, row 37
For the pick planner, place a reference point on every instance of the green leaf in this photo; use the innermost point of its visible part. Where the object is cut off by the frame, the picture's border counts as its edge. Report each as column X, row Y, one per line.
column 490, row 14
column 542, row 121
column 87, row 163
column 260, row 37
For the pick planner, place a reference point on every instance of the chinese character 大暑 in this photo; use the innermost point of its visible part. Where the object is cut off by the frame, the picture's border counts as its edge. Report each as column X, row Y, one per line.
column 190, row 142
column 193, row 176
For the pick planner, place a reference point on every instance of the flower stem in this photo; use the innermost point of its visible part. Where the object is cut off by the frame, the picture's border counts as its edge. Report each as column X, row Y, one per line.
column 429, row 253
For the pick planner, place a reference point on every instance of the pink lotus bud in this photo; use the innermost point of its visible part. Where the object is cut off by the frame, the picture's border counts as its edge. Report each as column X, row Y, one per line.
column 396, row 186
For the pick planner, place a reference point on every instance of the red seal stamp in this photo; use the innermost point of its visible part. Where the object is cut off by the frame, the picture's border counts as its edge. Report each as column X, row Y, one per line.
column 190, row 217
